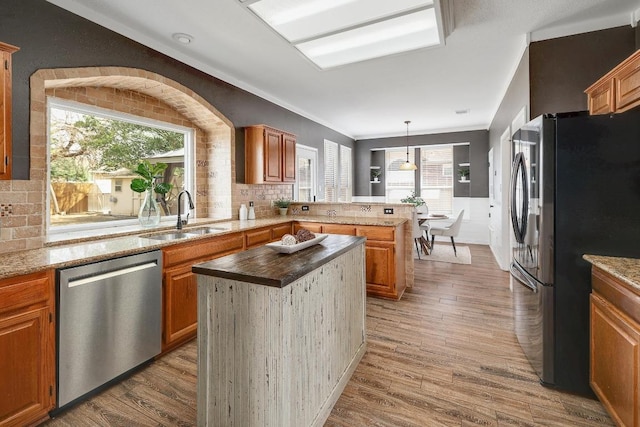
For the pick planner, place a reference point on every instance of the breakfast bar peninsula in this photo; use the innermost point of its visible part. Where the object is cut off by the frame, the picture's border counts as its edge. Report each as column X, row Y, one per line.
column 279, row 335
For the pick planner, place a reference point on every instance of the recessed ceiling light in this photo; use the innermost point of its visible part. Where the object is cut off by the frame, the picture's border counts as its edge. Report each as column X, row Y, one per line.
column 182, row 38
column 465, row 111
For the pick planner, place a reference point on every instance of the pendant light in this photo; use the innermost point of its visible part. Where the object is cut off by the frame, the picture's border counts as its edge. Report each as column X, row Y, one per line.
column 408, row 166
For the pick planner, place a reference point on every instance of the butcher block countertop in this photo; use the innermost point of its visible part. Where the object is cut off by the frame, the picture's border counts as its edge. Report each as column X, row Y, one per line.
column 625, row 269
column 87, row 248
column 264, row 266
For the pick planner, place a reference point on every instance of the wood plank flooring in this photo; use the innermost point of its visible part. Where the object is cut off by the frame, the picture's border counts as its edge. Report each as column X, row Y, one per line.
column 445, row 355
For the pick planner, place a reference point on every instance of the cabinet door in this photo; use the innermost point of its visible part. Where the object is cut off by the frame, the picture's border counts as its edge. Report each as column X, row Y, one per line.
column 288, row 158
column 5, row 111
column 601, row 98
column 181, row 305
column 627, row 86
column 380, row 260
column 615, row 359
column 26, row 367
column 272, row 156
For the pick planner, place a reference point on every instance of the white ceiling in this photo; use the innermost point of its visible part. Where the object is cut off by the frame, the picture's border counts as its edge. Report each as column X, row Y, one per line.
column 372, row 98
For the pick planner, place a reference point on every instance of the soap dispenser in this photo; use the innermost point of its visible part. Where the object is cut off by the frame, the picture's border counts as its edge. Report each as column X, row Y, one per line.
column 243, row 212
column 252, row 212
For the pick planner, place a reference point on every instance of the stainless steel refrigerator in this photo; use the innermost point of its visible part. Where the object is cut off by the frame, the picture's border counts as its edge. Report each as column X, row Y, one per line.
column 575, row 189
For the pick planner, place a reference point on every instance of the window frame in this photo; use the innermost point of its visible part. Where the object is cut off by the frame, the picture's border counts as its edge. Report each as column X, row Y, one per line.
column 87, row 109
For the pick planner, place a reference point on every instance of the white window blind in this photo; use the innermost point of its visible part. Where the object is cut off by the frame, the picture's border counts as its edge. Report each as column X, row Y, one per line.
column 345, row 174
column 337, row 172
column 331, row 155
column 399, row 183
column 436, row 178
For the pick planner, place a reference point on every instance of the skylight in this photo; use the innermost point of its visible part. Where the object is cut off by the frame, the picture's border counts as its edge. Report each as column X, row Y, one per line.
column 337, row 32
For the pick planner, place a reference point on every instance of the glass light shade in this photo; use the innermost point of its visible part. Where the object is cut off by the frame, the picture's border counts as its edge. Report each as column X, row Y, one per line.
column 408, row 166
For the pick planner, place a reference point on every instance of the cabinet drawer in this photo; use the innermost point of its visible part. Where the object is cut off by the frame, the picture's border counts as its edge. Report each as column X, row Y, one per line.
column 280, row 230
column 349, row 230
column 23, row 291
column 258, row 237
column 199, row 249
column 311, row 226
column 617, row 292
column 377, row 233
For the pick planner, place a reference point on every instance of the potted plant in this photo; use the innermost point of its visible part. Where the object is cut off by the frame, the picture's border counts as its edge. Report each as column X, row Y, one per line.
column 463, row 173
column 149, row 214
column 417, row 201
column 375, row 174
column 282, row 204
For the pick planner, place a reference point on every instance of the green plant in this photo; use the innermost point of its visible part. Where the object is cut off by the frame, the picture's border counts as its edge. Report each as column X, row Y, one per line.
column 148, row 174
column 282, row 203
column 375, row 173
column 413, row 199
column 463, row 173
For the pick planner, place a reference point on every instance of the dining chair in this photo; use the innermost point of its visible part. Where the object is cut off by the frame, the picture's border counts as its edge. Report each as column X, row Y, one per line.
column 450, row 230
column 417, row 232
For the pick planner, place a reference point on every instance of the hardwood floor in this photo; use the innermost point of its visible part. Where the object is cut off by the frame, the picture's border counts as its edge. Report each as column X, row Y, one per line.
column 445, row 355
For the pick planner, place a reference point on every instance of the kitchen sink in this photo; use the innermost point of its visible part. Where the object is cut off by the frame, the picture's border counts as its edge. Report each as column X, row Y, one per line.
column 208, row 230
column 185, row 234
column 174, row 235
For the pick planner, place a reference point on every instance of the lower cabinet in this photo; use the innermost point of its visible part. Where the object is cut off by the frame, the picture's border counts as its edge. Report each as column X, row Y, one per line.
column 180, row 286
column 384, row 255
column 27, row 349
column 615, row 348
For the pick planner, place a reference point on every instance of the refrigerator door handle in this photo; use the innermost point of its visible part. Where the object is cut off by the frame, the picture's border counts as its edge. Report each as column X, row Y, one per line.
column 516, row 273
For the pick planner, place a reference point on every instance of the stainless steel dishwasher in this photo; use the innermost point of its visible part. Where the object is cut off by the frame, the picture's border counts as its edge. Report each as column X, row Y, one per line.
column 109, row 321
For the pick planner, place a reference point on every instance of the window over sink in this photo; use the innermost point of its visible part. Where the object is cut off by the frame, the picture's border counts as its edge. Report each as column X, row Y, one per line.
column 91, row 154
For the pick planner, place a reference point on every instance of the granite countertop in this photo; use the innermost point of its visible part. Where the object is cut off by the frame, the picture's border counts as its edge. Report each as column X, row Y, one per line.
column 264, row 266
column 87, row 249
column 625, row 269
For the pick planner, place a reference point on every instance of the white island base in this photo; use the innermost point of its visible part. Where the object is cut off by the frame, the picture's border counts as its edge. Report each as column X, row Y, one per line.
column 279, row 356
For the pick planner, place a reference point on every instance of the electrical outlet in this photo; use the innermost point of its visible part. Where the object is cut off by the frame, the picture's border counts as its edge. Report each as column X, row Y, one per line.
column 305, row 208
column 388, row 211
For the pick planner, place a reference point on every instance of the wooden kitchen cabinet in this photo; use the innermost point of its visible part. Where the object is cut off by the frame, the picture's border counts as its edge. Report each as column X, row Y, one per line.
column 618, row 90
column 180, row 286
column 27, row 349
column 261, row 236
column 615, row 347
column 6, row 50
column 314, row 227
column 349, row 230
column 270, row 155
column 384, row 255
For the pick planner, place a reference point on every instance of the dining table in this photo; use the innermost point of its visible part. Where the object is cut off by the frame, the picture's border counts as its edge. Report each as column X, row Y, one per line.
column 425, row 245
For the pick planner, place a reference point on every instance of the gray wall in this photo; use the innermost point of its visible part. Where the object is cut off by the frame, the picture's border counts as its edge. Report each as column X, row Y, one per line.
column 50, row 37
column 561, row 69
column 478, row 148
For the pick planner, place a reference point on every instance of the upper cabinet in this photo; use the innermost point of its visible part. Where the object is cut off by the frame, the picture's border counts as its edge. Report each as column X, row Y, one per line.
column 618, row 90
column 5, row 109
column 270, row 155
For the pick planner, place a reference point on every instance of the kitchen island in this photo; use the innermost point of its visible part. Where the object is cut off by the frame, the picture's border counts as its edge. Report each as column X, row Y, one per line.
column 279, row 335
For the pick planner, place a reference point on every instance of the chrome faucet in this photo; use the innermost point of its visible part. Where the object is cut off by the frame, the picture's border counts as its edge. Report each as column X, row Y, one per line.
column 191, row 206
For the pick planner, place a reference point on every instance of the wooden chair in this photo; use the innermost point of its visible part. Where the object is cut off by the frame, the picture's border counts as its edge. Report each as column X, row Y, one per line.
column 450, row 230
